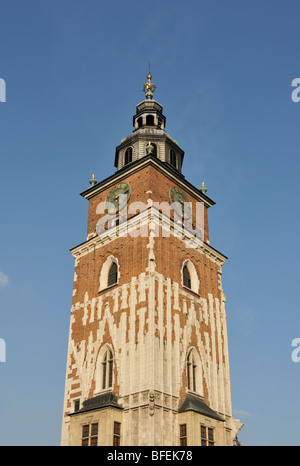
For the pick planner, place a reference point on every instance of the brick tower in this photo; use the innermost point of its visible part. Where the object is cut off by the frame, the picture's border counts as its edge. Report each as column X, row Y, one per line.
column 148, row 356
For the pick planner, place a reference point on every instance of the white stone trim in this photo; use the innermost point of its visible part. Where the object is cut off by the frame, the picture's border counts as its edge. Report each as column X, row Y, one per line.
column 157, row 219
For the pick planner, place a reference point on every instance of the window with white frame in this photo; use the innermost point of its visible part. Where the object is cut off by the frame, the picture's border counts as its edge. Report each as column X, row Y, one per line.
column 194, row 372
column 190, row 278
column 107, row 369
column 109, row 275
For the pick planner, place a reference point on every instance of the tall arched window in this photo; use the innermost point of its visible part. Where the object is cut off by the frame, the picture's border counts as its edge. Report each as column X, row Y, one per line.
column 128, row 155
column 191, row 371
column 112, row 278
column 107, row 369
column 109, row 274
column 190, row 278
column 172, row 158
column 186, row 277
column 155, row 149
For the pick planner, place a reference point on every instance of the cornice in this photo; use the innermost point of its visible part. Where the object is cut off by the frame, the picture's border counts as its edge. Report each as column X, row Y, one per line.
column 137, row 165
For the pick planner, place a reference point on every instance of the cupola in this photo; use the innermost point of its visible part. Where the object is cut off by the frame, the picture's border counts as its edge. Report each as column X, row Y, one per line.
column 149, row 136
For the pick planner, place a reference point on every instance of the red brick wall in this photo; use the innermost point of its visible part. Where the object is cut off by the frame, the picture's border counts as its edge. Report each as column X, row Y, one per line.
column 147, row 179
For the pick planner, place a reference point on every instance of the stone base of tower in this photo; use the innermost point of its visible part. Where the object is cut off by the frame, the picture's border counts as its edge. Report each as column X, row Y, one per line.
column 97, row 423
column 150, row 421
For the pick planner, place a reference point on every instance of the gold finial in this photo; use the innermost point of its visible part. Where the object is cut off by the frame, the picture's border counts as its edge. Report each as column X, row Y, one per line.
column 149, row 87
column 149, row 77
column 93, row 181
column 203, row 188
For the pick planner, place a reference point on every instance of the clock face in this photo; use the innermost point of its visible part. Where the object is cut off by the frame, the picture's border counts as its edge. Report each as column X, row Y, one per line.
column 118, row 198
column 180, row 202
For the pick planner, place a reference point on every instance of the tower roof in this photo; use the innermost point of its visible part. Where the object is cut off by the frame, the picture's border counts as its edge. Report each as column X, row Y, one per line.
column 149, row 131
column 193, row 403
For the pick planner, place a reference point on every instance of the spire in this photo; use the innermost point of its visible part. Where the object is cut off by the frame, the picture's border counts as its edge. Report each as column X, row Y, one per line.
column 149, row 87
column 149, row 136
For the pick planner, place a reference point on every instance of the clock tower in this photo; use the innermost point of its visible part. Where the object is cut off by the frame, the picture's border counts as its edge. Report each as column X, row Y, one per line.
column 148, row 361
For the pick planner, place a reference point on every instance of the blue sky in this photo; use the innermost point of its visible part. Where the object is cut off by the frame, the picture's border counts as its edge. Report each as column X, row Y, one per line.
column 74, row 72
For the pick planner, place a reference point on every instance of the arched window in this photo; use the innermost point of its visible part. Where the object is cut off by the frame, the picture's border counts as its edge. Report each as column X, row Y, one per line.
column 112, row 278
column 190, row 278
column 107, row 369
column 172, row 158
column 109, row 274
column 150, row 120
column 186, row 277
column 194, row 369
column 128, row 155
column 191, row 371
column 155, row 150
column 140, row 122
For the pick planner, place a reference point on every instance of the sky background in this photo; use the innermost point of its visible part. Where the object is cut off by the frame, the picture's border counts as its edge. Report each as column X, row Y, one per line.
column 74, row 72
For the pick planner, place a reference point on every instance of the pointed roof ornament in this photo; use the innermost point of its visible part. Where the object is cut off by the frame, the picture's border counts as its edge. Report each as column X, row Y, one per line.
column 149, row 148
column 203, row 188
column 149, row 87
column 93, row 181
